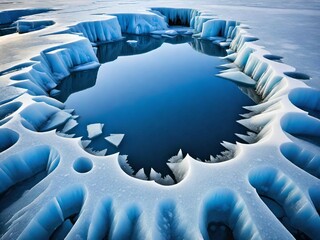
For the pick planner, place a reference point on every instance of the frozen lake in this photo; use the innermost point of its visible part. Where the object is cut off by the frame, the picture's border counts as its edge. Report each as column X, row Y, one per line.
column 163, row 100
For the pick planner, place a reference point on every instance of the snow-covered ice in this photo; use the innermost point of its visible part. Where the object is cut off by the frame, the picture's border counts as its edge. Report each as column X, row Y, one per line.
column 266, row 189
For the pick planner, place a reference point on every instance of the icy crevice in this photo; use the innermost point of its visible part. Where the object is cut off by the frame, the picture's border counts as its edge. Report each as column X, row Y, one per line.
column 8, row 138
column 307, row 160
column 102, row 219
column 8, row 109
column 180, row 16
column 128, row 224
column 302, row 127
column 169, row 223
column 60, row 211
column 43, row 117
column 300, row 215
column 306, row 99
column 24, row 165
column 222, row 210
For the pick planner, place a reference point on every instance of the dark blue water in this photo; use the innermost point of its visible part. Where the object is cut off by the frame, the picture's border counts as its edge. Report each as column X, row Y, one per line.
column 162, row 100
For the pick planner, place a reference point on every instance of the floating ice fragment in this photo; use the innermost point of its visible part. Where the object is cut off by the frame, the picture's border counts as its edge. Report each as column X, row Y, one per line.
column 168, row 36
column 171, row 32
column 94, row 130
column 115, row 139
column 132, row 43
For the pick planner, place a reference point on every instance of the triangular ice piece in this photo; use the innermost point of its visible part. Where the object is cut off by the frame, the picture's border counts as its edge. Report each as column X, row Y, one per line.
column 115, row 139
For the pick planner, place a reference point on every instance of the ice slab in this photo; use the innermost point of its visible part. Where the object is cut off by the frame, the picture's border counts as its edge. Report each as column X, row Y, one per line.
column 132, row 43
column 140, row 23
column 238, row 77
column 115, row 139
column 94, row 130
column 24, row 26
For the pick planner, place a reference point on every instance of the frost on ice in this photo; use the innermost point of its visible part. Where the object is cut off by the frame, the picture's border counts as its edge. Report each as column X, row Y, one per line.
column 266, row 189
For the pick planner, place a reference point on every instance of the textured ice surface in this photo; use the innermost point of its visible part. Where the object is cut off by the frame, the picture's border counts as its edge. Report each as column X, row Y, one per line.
column 269, row 189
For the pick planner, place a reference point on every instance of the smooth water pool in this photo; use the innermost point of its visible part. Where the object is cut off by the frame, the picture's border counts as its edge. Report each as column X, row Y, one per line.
column 163, row 95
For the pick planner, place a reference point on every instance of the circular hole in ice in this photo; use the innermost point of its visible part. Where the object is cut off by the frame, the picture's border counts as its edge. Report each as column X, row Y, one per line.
column 297, row 75
column 82, row 165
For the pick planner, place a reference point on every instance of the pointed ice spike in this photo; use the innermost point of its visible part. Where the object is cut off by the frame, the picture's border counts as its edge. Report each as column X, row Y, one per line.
column 247, row 115
column 96, row 153
column 69, row 110
column 166, row 181
column 89, row 150
column 85, row 143
column 115, row 139
column 154, row 175
column 228, row 66
column 94, row 130
column 177, row 158
column 248, row 123
column 259, row 108
column 229, row 146
column 237, row 77
column 141, row 175
column 61, row 134
column 101, row 153
column 125, row 165
column 69, row 125
column 246, row 138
